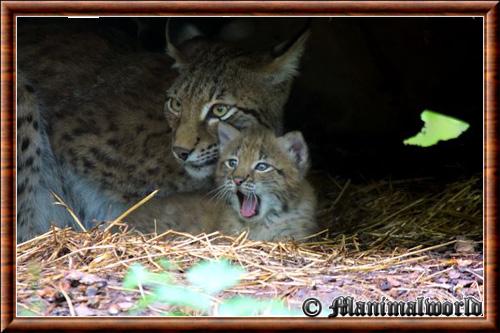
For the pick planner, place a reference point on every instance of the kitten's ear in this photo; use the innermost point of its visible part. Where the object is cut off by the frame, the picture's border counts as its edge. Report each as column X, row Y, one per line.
column 186, row 33
column 294, row 145
column 226, row 134
column 286, row 58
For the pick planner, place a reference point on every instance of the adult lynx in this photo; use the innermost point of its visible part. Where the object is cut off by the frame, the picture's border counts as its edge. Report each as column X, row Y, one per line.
column 104, row 104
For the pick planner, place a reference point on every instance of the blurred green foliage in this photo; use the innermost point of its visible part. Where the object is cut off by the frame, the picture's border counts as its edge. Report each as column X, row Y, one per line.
column 206, row 279
column 214, row 276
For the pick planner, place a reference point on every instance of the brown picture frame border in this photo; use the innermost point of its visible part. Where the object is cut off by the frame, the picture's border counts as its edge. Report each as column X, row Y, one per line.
column 11, row 9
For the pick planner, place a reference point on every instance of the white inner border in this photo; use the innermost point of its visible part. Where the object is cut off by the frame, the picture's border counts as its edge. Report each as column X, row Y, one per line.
column 256, row 17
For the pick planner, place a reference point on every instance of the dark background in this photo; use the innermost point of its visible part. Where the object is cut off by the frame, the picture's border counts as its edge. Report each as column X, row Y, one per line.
column 363, row 83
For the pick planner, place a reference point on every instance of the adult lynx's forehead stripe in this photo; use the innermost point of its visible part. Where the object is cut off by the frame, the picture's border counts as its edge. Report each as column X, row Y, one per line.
column 205, row 109
column 215, row 94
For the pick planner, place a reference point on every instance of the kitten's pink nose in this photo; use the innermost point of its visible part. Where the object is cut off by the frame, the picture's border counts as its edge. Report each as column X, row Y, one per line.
column 238, row 180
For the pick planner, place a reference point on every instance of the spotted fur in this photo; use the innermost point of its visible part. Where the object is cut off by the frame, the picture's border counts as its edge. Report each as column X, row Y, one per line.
column 287, row 202
column 37, row 170
column 105, row 104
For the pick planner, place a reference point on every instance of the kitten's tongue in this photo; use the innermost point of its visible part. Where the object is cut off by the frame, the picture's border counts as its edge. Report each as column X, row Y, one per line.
column 248, row 206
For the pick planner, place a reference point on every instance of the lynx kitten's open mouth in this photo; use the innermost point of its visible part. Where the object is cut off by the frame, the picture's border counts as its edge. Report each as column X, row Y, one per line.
column 249, row 204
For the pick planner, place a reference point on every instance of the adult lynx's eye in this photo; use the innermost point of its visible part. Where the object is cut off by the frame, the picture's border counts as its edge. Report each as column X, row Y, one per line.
column 232, row 163
column 219, row 110
column 173, row 105
column 262, row 167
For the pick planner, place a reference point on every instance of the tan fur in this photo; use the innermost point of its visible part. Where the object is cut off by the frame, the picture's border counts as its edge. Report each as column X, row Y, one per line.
column 105, row 103
column 287, row 200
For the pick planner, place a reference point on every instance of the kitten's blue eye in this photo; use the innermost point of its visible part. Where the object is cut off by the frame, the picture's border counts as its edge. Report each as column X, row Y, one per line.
column 232, row 163
column 262, row 167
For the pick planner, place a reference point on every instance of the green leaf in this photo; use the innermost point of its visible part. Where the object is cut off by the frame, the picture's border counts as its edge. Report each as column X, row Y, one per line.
column 437, row 127
column 167, row 265
column 142, row 304
column 26, row 313
column 214, row 276
column 182, row 296
column 157, row 278
column 135, row 276
column 138, row 275
column 177, row 313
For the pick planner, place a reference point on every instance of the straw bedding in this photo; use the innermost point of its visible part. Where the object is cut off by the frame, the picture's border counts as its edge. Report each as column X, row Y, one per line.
column 393, row 239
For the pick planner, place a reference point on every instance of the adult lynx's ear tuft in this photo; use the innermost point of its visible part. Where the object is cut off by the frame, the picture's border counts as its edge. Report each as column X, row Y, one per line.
column 286, row 58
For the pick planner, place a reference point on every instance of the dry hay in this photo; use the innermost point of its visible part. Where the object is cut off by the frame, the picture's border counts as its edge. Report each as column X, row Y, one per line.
column 404, row 213
column 400, row 240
